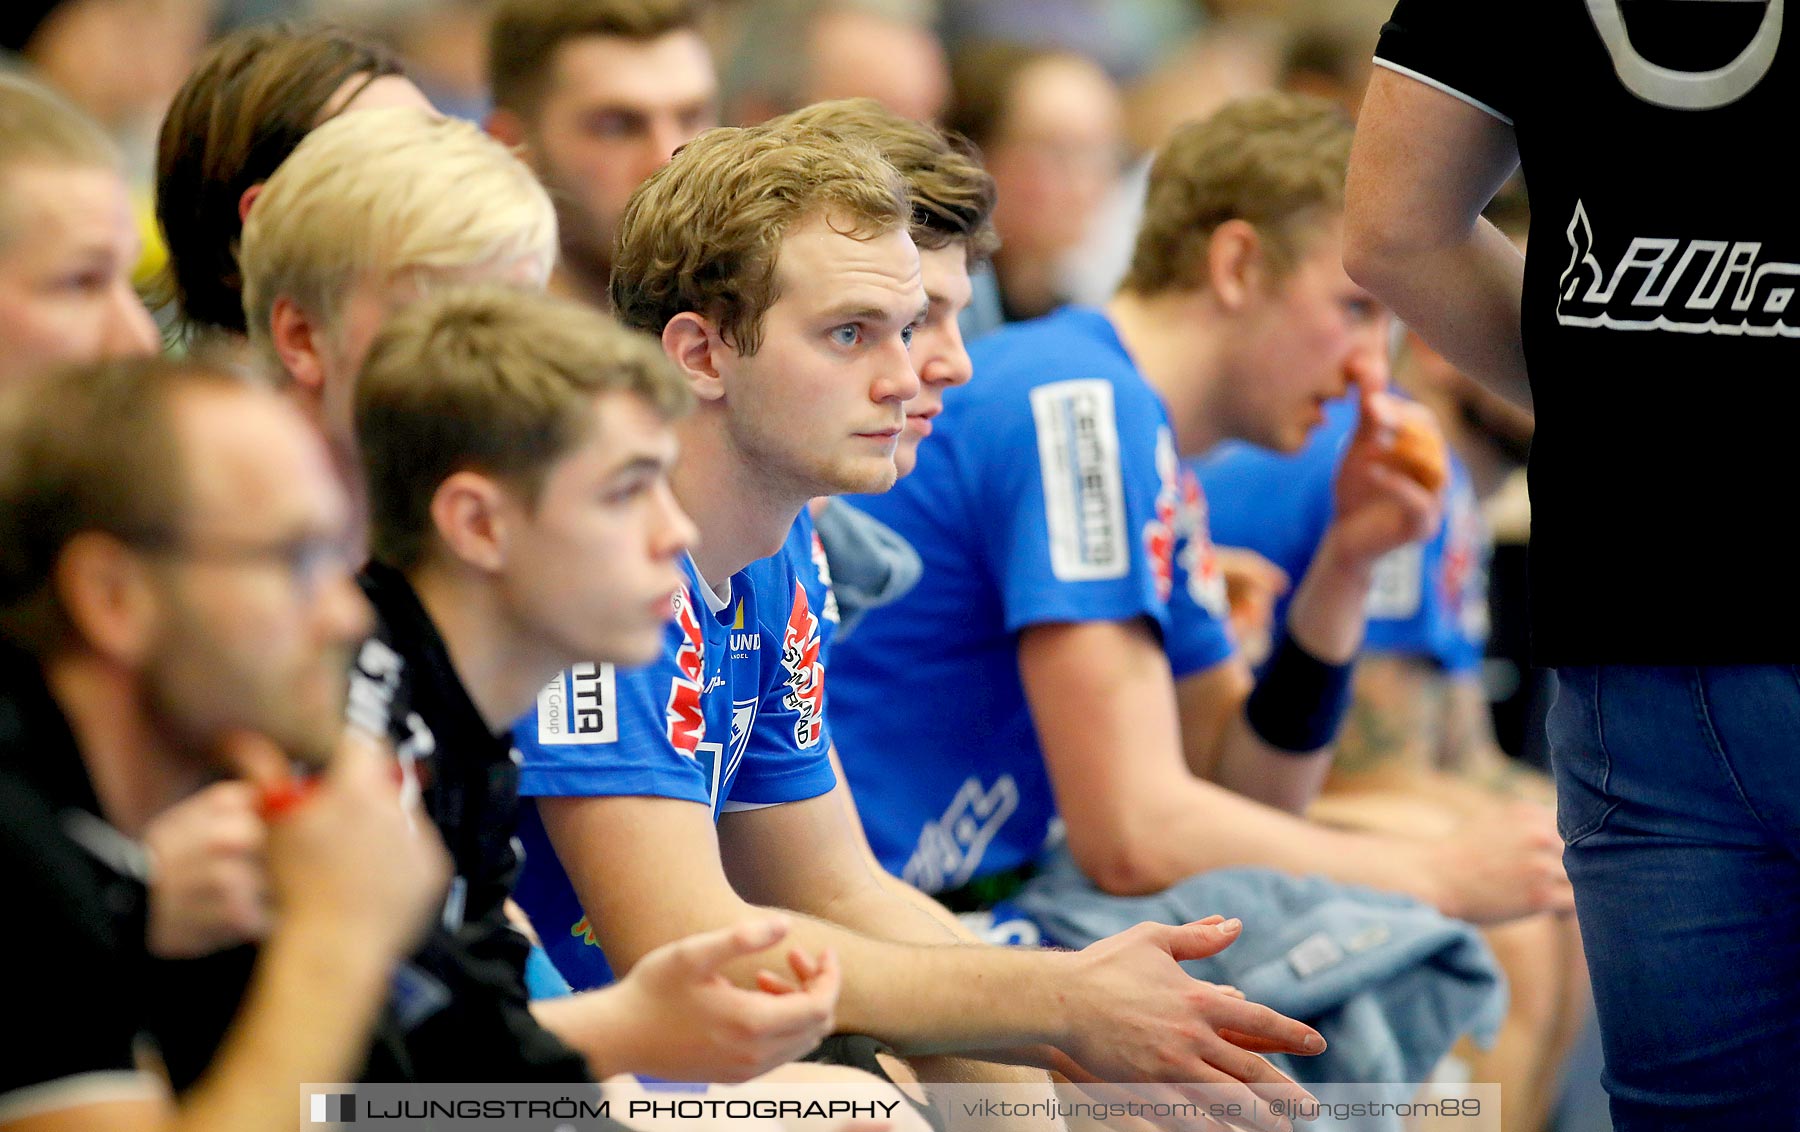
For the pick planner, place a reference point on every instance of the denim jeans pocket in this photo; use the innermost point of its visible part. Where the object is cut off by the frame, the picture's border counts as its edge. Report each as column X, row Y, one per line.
column 1578, row 755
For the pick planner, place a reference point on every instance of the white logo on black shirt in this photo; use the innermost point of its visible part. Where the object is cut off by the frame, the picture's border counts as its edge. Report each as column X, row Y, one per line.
column 1692, row 286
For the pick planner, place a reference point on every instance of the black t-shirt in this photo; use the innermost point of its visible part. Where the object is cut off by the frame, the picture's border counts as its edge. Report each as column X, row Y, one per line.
column 72, row 955
column 465, row 1014
column 1657, row 321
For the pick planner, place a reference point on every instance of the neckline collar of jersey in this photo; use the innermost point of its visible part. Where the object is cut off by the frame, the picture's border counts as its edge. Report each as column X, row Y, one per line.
column 1687, row 90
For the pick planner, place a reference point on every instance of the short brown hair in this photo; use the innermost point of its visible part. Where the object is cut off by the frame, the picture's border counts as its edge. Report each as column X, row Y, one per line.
column 952, row 196
column 489, row 379
column 703, row 233
column 1276, row 161
column 254, row 96
column 37, row 127
column 525, row 35
column 92, row 448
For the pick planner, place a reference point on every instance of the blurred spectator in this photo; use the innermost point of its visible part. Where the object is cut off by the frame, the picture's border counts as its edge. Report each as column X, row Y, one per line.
column 880, row 49
column 67, row 240
column 254, row 96
column 597, row 95
column 443, row 44
column 175, row 607
column 1049, row 124
column 120, row 61
column 1127, row 37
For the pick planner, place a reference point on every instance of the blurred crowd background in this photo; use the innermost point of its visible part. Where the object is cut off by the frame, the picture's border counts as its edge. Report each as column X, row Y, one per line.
column 1066, row 98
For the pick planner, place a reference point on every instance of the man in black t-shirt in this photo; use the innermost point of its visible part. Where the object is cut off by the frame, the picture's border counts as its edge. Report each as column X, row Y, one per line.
column 1654, row 318
column 175, row 606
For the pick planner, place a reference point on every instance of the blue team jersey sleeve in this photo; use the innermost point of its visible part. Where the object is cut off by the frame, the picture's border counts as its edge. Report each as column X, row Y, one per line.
column 1072, row 463
column 781, row 755
column 1064, row 474
column 598, row 731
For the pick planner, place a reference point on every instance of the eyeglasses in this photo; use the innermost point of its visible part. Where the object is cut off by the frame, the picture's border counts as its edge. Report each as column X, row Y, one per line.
column 309, row 560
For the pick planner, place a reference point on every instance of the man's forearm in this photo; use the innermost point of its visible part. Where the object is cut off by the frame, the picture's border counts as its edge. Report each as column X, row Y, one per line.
column 1328, row 613
column 1204, row 826
column 934, row 994
column 1326, row 618
column 1464, row 300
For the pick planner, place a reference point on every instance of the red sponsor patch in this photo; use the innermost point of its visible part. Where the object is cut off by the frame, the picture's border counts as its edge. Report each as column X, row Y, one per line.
column 806, row 676
column 686, row 714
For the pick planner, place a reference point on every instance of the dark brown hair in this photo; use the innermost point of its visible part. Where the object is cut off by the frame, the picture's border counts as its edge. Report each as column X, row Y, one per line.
column 982, row 77
column 952, row 196
column 254, row 96
column 525, row 34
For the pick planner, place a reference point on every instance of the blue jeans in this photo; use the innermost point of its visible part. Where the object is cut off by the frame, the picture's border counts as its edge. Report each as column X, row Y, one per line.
column 1678, row 798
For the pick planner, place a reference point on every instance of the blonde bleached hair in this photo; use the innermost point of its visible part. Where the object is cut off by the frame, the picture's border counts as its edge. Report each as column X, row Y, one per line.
column 703, row 233
column 384, row 195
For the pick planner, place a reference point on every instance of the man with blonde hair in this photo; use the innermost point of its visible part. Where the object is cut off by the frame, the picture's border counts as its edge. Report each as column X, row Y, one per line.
column 775, row 263
column 67, row 239
column 370, row 210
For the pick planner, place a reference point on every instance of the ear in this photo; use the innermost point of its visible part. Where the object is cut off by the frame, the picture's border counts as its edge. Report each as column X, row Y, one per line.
column 469, row 514
column 248, row 199
column 695, row 345
column 108, row 596
column 299, row 343
column 507, row 128
column 1235, row 267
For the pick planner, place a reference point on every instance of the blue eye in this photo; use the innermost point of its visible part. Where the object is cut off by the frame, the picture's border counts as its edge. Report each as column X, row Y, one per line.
column 906, row 336
column 846, row 335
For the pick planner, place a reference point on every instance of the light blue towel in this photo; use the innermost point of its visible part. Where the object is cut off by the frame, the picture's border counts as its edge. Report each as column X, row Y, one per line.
column 1391, row 983
column 871, row 566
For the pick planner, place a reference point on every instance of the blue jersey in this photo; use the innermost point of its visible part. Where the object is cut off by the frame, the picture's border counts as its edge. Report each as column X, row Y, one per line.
column 1426, row 599
column 1050, row 491
column 731, row 716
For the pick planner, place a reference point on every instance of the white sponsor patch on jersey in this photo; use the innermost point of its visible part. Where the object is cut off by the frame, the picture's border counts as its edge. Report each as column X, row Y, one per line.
column 1396, row 584
column 579, row 707
column 1084, row 491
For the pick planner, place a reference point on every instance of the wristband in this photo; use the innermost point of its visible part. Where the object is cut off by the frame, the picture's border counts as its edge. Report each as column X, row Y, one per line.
column 1297, row 705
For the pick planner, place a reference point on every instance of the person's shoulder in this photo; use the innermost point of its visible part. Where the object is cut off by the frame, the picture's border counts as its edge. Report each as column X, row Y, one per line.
column 1070, row 343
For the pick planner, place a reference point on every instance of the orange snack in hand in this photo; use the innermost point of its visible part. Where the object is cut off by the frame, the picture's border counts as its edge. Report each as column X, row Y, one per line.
column 1418, row 450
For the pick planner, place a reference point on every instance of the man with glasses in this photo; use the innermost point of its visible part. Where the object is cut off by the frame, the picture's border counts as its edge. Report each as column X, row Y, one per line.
column 170, row 612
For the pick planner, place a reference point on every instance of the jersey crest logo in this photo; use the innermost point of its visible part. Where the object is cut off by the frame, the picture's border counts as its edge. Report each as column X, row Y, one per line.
column 1688, row 286
column 805, row 674
column 685, row 712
